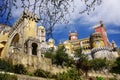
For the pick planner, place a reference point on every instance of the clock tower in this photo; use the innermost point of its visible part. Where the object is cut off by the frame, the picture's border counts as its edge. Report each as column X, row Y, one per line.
column 73, row 35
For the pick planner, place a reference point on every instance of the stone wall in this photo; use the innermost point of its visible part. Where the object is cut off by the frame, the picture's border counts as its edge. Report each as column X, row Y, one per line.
column 25, row 77
column 32, row 62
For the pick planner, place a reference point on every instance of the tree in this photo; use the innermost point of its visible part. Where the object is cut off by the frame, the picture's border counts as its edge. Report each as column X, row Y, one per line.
column 98, row 64
column 49, row 53
column 116, row 67
column 61, row 57
column 70, row 74
column 82, row 63
column 50, row 12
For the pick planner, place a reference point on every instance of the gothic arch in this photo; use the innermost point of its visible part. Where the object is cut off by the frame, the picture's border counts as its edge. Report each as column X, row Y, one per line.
column 15, row 39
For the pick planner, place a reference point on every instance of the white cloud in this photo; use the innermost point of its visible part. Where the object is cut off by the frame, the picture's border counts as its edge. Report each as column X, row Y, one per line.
column 108, row 12
column 111, row 31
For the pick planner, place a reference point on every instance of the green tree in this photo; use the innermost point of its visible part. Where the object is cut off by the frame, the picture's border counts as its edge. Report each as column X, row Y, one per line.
column 49, row 54
column 82, row 63
column 61, row 57
column 70, row 74
column 116, row 67
column 98, row 64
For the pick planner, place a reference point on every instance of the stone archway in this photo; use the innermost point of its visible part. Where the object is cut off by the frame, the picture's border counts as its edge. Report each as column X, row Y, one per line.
column 15, row 40
column 34, row 48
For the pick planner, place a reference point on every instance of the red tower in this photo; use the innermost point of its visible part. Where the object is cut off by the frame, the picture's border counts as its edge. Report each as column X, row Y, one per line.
column 102, row 30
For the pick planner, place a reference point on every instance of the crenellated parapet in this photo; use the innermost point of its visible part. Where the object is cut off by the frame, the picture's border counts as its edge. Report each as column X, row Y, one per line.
column 25, row 15
column 94, row 50
column 103, row 53
column 30, row 15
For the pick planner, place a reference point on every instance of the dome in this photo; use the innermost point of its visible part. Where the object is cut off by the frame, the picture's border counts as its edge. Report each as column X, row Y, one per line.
column 51, row 40
column 41, row 27
column 65, row 42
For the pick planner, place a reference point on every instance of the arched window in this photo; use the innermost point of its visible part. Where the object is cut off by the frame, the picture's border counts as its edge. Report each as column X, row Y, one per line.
column 34, row 48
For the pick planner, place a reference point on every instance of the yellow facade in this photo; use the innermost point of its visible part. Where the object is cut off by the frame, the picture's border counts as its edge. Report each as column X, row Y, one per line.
column 69, row 47
column 98, row 44
column 30, row 29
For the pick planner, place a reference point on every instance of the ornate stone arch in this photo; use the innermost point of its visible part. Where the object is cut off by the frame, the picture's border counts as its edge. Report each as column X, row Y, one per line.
column 33, row 47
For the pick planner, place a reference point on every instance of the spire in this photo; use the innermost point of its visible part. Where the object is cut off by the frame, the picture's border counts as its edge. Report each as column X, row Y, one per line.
column 114, row 44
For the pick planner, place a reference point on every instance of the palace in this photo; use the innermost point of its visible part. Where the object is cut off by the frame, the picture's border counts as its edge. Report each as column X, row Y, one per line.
column 24, row 43
column 96, row 45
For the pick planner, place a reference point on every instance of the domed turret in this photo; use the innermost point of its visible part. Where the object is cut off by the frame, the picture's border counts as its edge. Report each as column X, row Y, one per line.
column 51, row 42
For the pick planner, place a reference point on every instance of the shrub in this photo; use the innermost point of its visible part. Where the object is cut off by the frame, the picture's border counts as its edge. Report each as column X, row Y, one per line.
column 7, row 77
column 99, row 78
column 6, row 66
column 20, row 69
column 71, row 74
column 42, row 73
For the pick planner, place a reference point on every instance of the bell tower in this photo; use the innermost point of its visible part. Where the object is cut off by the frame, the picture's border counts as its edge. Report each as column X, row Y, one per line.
column 73, row 35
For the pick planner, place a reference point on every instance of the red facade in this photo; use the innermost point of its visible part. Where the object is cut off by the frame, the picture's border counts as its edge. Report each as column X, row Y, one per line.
column 102, row 30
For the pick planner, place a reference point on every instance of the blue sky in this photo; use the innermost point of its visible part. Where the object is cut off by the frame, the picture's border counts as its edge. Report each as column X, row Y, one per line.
column 108, row 12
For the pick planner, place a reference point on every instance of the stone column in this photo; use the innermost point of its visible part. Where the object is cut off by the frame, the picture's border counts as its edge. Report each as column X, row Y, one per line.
column 29, row 48
column 39, row 51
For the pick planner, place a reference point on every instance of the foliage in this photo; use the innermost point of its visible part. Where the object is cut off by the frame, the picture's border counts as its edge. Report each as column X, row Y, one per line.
column 7, row 77
column 20, row 69
column 82, row 63
column 99, row 78
column 49, row 54
column 6, row 65
column 116, row 67
column 61, row 57
column 71, row 74
column 98, row 64
column 42, row 73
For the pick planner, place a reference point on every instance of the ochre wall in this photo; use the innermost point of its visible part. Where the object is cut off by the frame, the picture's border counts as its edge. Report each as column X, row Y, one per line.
column 30, row 28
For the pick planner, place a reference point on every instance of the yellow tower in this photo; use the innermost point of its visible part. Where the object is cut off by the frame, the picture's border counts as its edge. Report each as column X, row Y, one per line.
column 96, row 40
column 29, row 25
column 68, row 47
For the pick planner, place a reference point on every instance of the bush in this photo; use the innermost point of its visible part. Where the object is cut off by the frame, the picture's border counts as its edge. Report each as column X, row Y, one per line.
column 20, row 69
column 99, row 78
column 116, row 67
column 7, row 77
column 98, row 64
column 6, row 66
column 42, row 73
column 71, row 74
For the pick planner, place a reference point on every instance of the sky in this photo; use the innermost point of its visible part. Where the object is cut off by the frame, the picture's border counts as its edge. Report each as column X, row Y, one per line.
column 108, row 12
